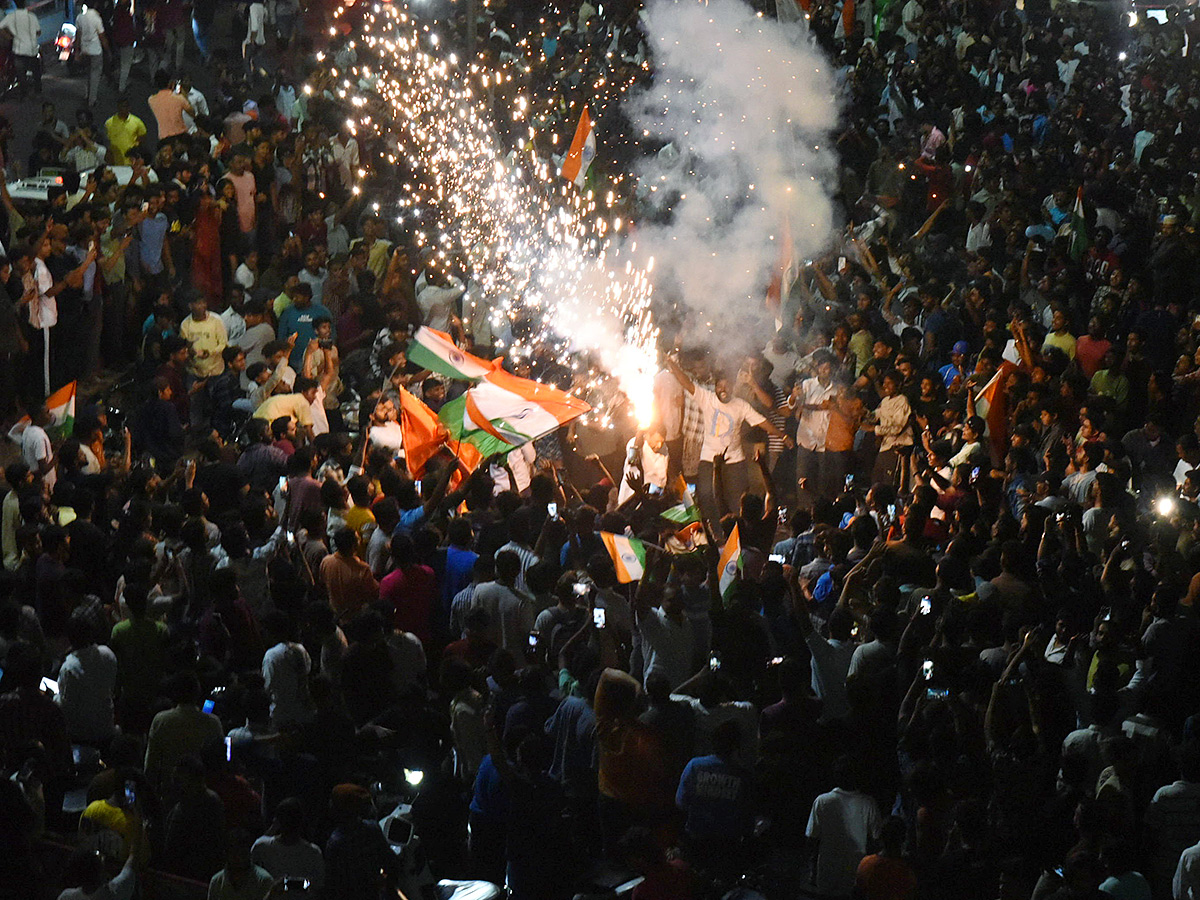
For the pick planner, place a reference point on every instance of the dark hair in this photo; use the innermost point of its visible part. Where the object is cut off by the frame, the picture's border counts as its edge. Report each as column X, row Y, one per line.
column 345, row 540
column 508, row 565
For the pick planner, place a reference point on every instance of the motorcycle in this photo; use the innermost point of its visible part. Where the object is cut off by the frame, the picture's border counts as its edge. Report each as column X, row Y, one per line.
column 66, row 48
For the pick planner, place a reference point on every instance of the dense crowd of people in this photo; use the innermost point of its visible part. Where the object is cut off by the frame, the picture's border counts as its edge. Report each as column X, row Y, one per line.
column 915, row 614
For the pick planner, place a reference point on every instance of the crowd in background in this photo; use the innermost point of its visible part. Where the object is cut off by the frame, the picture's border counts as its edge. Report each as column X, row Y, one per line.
column 955, row 655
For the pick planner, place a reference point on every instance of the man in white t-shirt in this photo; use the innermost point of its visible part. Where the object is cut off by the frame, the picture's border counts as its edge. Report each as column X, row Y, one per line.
column 36, row 450
column 668, row 414
column 26, row 32
column 93, row 42
column 813, row 397
column 842, row 826
column 723, row 415
column 256, row 33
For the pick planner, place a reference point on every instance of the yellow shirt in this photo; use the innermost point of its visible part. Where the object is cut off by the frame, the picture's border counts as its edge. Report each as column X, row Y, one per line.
column 361, row 521
column 123, row 136
column 293, row 405
column 103, row 816
column 377, row 257
column 208, row 339
column 1064, row 342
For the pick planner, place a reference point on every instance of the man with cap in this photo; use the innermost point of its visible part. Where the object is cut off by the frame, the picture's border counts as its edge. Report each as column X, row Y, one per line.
column 956, row 370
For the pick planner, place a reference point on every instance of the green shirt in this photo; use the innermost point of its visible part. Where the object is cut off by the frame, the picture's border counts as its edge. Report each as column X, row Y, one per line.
column 140, row 646
column 1112, row 384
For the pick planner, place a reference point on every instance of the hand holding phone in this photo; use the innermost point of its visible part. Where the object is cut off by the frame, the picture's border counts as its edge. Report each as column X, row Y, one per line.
column 598, row 616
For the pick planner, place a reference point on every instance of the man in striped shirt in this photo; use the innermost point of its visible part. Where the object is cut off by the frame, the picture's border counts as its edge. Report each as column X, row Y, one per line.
column 520, row 528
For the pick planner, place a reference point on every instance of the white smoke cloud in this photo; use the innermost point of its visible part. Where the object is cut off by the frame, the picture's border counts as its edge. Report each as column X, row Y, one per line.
column 748, row 106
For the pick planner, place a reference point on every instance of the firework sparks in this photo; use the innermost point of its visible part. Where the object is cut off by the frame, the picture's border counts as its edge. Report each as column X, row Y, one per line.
column 550, row 271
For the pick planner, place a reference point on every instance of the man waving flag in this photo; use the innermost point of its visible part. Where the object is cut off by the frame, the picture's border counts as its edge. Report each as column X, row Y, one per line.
column 582, row 152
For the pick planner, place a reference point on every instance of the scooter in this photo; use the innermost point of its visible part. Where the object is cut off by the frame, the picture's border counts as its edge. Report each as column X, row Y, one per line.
column 416, row 882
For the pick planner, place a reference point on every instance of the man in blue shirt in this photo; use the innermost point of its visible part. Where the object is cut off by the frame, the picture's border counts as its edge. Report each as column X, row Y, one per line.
column 957, row 367
column 154, row 251
column 300, row 319
column 715, row 793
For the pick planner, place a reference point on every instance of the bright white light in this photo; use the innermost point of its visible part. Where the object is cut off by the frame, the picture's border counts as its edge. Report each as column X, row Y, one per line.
column 1164, row 506
column 414, row 777
column 1133, row 18
column 1122, row 56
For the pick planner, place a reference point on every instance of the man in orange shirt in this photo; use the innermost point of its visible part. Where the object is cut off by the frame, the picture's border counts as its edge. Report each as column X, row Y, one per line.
column 168, row 107
column 348, row 581
column 886, row 875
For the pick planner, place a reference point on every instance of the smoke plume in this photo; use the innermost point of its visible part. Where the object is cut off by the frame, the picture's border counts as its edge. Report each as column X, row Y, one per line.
column 747, row 105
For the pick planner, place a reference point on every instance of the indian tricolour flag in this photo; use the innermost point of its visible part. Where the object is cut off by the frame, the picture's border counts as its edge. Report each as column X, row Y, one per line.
column 628, row 556
column 516, row 410
column 991, row 405
column 436, row 351
column 582, row 152
column 730, row 566
column 61, row 406
column 1079, row 235
column 686, row 511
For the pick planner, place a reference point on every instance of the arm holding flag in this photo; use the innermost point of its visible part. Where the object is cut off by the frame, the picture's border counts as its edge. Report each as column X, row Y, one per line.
column 439, row 490
column 641, row 597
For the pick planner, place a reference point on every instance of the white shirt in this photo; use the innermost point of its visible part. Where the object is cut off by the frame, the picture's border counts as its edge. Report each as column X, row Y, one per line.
column 84, row 159
column 843, row 823
column 43, row 310
column 389, row 435
column 653, row 466
column 668, row 403
column 88, row 28
column 908, row 17
column 86, row 684
column 285, row 673
column 722, row 423
column 346, row 156
column 256, row 25
column 199, row 105
column 831, row 664
column 528, row 558
column 512, row 614
column 814, row 423
column 978, row 235
column 298, row 860
column 25, row 31
column 668, row 646
column 438, row 303
column 235, row 325
column 1181, row 469
column 1186, row 884
column 35, row 447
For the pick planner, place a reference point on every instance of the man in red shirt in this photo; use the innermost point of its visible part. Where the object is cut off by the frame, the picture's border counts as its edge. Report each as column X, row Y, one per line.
column 411, row 589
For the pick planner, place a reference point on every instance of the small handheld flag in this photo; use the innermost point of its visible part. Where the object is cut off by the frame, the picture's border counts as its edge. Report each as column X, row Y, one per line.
column 628, row 556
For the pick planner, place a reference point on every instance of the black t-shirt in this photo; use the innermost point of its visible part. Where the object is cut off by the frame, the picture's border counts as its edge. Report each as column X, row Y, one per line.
column 222, row 483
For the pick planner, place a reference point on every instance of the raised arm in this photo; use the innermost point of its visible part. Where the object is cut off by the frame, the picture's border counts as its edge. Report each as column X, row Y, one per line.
column 681, row 376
